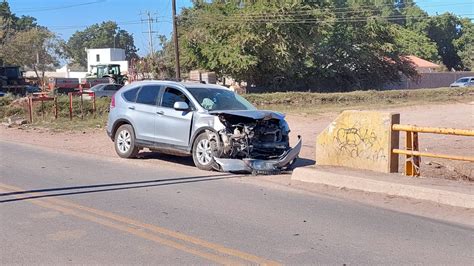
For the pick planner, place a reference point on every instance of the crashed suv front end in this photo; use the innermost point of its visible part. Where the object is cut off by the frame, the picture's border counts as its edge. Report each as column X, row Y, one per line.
column 252, row 141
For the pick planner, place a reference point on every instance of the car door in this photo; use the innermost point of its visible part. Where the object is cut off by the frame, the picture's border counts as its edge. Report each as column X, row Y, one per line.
column 173, row 126
column 144, row 112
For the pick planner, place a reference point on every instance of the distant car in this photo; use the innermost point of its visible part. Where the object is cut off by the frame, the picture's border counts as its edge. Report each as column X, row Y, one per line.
column 463, row 82
column 101, row 90
column 32, row 89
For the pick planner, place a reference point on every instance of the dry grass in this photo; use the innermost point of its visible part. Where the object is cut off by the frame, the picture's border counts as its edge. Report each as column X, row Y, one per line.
column 317, row 103
column 287, row 102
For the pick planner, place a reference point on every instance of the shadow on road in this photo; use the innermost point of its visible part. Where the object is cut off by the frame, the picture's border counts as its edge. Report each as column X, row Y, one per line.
column 147, row 155
column 188, row 160
column 110, row 187
column 302, row 162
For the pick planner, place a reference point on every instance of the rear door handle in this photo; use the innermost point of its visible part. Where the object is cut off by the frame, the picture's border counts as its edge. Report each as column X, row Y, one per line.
column 160, row 112
column 131, row 107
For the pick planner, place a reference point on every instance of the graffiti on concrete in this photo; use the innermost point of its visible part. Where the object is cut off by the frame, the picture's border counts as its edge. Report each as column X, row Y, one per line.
column 358, row 142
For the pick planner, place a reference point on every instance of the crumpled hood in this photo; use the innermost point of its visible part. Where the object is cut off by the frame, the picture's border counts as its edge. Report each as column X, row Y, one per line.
column 253, row 114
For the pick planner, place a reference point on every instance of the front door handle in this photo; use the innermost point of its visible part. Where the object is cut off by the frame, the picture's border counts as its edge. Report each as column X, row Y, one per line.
column 131, row 107
column 160, row 112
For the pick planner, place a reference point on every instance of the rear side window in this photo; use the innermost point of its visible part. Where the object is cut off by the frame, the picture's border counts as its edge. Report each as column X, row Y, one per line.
column 148, row 94
column 111, row 88
column 130, row 95
column 171, row 96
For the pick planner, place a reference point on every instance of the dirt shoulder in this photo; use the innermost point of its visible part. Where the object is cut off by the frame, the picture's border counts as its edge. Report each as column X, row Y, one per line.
column 458, row 115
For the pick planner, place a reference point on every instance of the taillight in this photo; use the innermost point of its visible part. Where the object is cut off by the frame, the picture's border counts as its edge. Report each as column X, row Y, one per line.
column 112, row 101
column 92, row 94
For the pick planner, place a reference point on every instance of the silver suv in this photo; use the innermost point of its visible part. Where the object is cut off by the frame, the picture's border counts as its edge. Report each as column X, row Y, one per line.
column 219, row 128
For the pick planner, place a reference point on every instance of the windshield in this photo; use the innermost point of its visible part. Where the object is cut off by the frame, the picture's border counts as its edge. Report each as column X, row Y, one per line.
column 219, row 99
column 462, row 80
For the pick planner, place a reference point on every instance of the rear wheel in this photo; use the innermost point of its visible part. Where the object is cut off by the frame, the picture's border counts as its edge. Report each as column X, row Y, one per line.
column 203, row 156
column 125, row 142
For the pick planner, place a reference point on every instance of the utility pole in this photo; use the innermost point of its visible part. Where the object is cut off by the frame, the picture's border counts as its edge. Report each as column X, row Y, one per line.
column 175, row 38
column 150, row 37
column 150, row 32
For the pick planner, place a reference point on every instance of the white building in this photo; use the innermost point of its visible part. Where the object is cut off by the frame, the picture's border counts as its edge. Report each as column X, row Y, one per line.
column 63, row 72
column 107, row 56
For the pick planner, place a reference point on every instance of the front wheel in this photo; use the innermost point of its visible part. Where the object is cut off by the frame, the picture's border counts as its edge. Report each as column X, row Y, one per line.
column 125, row 142
column 202, row 153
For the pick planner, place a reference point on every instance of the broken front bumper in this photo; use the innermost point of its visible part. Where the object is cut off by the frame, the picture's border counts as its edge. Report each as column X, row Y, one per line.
column 260, row 166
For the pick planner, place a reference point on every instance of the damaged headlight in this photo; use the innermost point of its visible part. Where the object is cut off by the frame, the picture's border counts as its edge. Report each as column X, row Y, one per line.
column 285, row 128
column 262, row 165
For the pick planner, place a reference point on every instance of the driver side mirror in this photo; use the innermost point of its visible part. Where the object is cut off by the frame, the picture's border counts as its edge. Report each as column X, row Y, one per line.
column 181, row 106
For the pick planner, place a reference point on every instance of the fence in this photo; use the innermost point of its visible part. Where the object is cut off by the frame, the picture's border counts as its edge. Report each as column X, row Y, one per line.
column 41, row 97
column 412, row 153
column 81, row 105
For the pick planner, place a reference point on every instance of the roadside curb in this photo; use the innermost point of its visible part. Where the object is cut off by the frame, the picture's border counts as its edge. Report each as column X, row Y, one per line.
column 343, row 179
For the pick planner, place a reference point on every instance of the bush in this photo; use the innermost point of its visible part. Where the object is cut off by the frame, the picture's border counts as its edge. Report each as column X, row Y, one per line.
column 6, row 100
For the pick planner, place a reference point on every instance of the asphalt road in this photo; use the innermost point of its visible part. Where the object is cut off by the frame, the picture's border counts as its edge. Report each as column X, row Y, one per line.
column 65, row 208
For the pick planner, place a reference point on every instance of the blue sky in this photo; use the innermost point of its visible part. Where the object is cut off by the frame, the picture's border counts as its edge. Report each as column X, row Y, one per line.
column 67, row 16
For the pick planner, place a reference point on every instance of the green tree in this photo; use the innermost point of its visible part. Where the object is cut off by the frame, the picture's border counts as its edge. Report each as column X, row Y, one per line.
column 465, row 44
column 37, row 49
column 296, row 42
column 410, row 42
column 10, row 23
column 235, row 38
column 360, row 51
column 445, row 29
column 104, row 35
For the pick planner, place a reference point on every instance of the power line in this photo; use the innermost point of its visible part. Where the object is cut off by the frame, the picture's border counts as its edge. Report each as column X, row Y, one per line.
column 42, row 9
column 73, row 27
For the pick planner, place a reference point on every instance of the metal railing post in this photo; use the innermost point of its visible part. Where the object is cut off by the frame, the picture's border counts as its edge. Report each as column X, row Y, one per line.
column 70, row 106
column 412, row 162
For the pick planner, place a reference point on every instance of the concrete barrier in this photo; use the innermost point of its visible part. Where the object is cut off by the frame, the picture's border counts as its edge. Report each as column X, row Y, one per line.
column 360, row 139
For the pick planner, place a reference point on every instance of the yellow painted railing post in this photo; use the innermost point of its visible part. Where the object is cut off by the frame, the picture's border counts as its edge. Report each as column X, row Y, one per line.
column 412, row 162
column 416, row 158
column 408, row 158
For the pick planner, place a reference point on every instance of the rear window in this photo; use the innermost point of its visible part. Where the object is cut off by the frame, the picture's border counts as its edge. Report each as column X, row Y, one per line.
column 111, row 88
column 148, row 94
column 130, row 95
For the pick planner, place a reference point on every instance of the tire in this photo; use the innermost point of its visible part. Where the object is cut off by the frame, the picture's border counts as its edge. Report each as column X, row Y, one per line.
column 202, row 153
column 124, row 142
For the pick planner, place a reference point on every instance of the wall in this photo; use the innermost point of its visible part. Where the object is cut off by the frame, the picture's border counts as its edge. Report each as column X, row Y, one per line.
column 429, row 80
column 117, row 54
column 56, row 74
column 426, row 80
column 106, row 56
column 360, row 139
